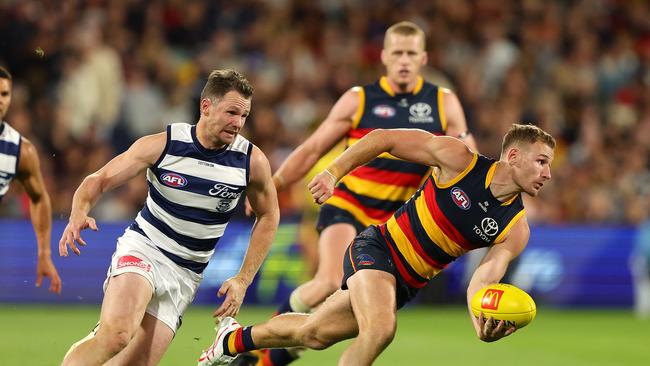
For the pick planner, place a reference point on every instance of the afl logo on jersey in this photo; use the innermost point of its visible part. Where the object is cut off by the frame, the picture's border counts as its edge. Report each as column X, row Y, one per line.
column 460, row 198
column 383, row 111
column 173, row 180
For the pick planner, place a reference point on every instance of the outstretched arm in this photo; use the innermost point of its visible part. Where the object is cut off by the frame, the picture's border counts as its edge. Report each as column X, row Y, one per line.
column 264, row 202
column 332, row 130
column 418, row 146
column 327, row 135
column 491, row 270
column 40, row 210
column 141, row 155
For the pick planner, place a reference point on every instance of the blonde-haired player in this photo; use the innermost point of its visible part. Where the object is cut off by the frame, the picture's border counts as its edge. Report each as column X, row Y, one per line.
column 370, row 194
column 470, row 202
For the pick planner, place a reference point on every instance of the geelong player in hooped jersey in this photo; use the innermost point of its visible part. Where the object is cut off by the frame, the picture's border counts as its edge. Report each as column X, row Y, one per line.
column 196, row 176
column 19, row 161
column 470, row 202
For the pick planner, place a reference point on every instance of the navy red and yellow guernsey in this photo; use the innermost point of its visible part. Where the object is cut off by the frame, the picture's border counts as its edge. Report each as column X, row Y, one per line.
column 373, row 192
column 441, row 222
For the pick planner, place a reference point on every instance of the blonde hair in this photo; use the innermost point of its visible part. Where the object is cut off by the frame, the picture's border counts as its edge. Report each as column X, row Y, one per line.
column 526, row 133
column 405, row 28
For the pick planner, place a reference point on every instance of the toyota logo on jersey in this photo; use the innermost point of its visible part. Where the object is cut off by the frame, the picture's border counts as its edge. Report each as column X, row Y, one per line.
column 420, row 113
column 489, row 226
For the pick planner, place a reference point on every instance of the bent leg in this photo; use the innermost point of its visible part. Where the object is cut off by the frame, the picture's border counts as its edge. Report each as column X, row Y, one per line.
column 123, row 307
column 373, row 299
column 331, row 249
column 327, row 279
column 148, row 345
column 331, row 323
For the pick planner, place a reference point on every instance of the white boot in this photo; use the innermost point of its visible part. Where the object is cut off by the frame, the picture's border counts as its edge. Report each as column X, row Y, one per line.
column 214, row 355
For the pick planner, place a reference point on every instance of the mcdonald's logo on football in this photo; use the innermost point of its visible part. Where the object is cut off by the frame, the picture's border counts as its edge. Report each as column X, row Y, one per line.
column 491, row 299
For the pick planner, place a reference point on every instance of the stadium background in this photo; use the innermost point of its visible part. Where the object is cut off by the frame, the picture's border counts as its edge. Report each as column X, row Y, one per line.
column 111, row 71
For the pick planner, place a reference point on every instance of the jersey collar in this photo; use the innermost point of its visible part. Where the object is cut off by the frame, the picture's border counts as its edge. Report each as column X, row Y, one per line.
column 202, row 149
column 488, row 180
column 383, row 83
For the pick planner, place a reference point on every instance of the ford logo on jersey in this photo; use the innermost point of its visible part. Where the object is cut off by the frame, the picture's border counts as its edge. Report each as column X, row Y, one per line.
column 173, row 180
column 460, row 198
column 221, row 190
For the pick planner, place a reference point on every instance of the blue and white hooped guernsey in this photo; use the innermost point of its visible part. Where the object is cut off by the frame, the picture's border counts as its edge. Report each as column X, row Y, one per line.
column 193, row 192
column 9, row 156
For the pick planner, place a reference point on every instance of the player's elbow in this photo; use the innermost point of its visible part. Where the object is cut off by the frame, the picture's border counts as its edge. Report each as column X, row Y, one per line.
column 95, row 182
column 380, row 135
column 38, row 197
column 308, row 153
column 269, row 218
column 383, row 138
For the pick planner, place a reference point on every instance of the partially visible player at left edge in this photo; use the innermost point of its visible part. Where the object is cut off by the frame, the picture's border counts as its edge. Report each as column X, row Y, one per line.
column 19, row 161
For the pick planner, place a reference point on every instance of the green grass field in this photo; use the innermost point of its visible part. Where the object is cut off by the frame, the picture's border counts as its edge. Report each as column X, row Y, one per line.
column 40, row 335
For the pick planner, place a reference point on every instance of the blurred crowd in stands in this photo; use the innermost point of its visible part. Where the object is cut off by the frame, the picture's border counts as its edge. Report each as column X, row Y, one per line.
column 92, row 76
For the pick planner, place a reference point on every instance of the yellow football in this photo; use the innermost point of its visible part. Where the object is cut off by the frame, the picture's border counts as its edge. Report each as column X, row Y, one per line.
column 505, row 302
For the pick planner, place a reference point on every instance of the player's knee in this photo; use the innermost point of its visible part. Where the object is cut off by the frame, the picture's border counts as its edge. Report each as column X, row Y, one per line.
column 382, row 332
column 114, row 340
column 333, row 284
column 385, row 335
column 329, row 284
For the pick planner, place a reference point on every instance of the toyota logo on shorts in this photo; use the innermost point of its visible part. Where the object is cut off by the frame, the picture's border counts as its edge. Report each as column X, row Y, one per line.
column 489, row 226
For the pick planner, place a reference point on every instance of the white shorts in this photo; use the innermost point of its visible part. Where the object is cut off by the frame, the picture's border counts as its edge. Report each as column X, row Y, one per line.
column 174, row 287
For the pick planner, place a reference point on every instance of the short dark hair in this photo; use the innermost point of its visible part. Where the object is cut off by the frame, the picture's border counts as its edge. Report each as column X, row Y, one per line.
column 526, row 133
column 5, row 74
column 221, row 82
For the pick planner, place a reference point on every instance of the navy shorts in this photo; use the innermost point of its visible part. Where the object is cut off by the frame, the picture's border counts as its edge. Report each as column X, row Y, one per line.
column 369, row 251
column 330, row 215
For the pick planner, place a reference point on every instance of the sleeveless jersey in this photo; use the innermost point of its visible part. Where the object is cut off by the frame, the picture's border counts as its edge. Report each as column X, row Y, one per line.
column 441, row 222
column 373, row 192
column 9, row 156
column 192, row 194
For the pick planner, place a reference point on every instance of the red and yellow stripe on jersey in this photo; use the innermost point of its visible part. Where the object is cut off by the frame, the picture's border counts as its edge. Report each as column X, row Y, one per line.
column 430, row 231
column 373, row 192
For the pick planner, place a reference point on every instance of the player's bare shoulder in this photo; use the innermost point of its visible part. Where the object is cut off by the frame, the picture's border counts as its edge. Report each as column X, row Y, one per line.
column 28, row 161
column 517, row 238
column 260, row 168
column 149, row 148
column 348, row 105
column 452, row 155
column 450, row 98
